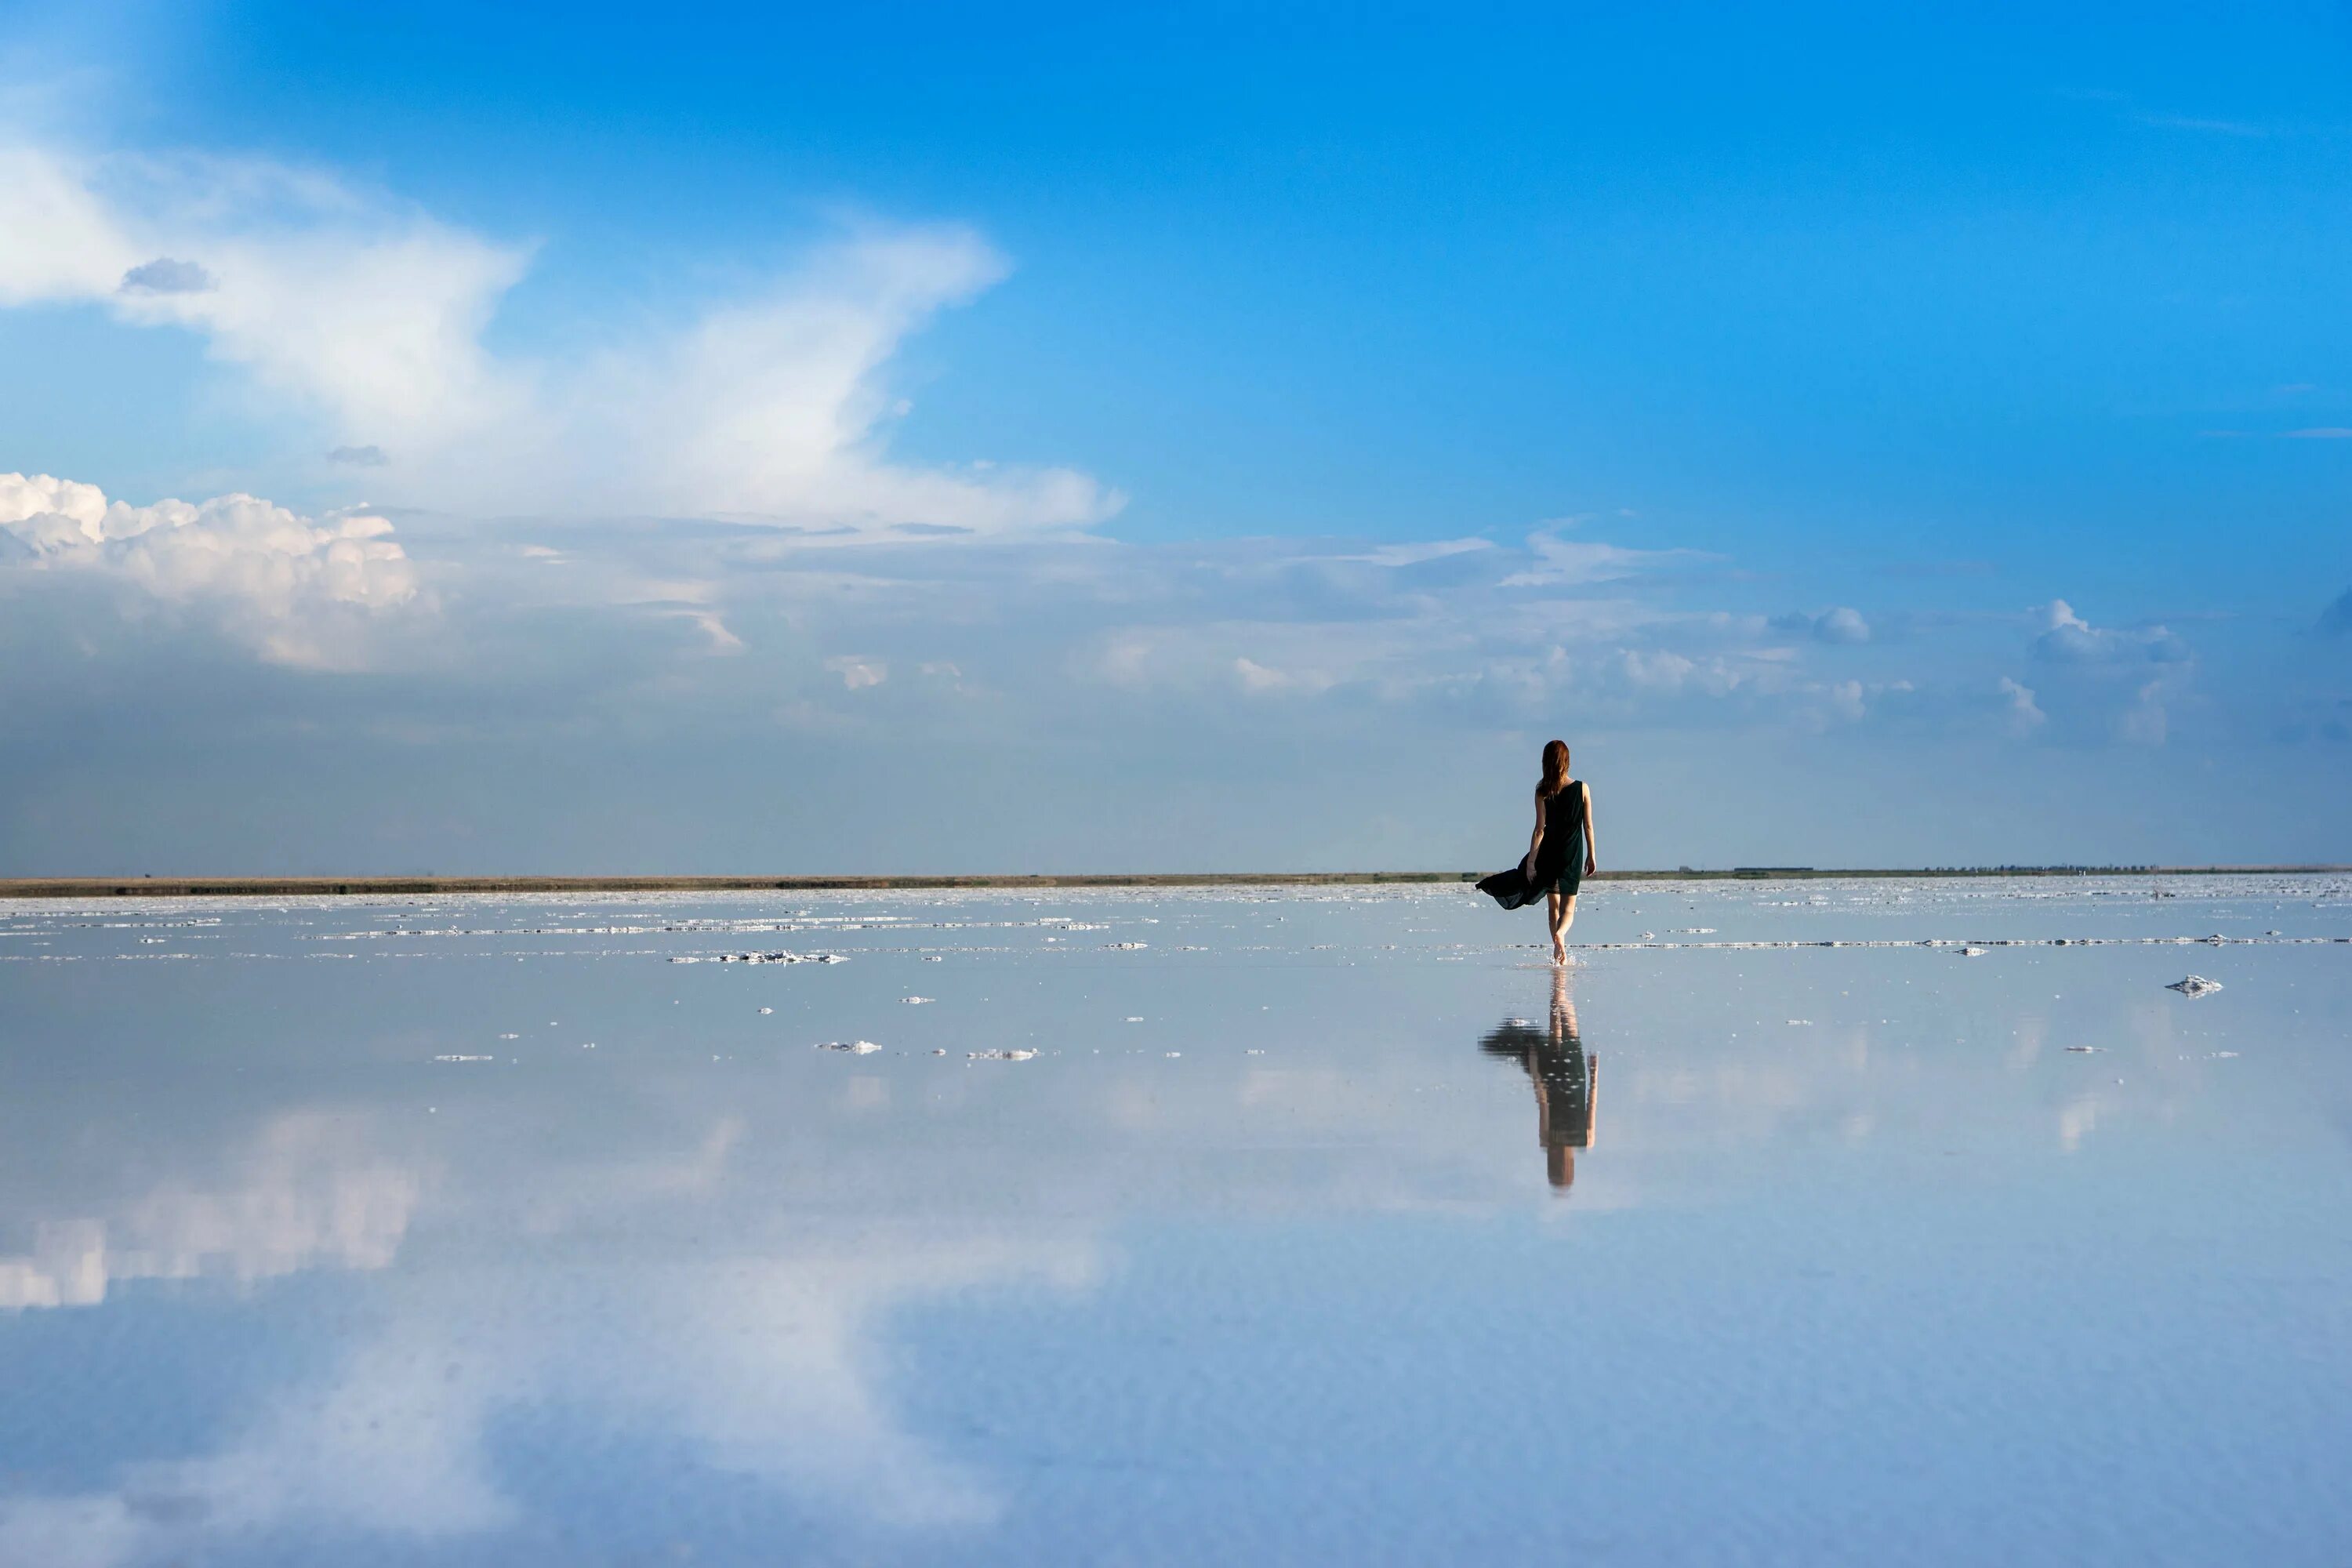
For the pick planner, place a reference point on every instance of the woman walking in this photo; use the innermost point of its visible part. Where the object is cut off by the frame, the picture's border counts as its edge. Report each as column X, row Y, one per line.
column 1560, row 851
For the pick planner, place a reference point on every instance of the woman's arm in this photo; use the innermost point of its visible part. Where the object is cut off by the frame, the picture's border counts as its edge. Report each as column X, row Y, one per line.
column 1591, row 850
column 1535, row 839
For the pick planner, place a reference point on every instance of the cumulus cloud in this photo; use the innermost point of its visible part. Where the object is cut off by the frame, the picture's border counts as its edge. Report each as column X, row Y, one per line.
column 366, row 317
column 2067, row 638
column 287, row 586
column 2120, row 682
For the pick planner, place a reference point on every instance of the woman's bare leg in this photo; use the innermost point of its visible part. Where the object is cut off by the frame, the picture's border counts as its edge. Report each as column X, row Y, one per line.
column 1563, row 915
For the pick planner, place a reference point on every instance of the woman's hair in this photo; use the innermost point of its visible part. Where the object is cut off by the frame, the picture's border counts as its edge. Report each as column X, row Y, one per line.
column 1555, row 765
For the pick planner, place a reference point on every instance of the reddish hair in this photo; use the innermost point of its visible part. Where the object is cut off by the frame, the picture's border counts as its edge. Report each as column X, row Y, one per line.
column 1555, row 768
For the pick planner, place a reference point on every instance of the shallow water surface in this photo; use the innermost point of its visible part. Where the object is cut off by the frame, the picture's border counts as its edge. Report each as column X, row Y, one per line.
column 1798, row 1221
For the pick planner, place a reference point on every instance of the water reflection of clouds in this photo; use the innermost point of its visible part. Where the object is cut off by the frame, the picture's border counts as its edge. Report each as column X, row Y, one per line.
column 642, row 1292
column 722, row 1278
column 308, row 1192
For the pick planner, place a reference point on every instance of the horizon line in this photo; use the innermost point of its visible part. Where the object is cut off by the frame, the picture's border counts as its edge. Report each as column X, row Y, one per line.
column 146, row 885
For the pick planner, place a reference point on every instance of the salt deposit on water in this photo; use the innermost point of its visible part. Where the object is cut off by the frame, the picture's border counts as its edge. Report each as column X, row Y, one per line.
column 777, row 957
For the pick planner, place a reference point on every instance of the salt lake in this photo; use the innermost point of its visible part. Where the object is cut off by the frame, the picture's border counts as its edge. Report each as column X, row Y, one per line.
column 1798, row 1221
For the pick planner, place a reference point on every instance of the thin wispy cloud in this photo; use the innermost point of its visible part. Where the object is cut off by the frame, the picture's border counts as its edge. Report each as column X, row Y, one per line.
column 1417, row 555
column 1579, row 562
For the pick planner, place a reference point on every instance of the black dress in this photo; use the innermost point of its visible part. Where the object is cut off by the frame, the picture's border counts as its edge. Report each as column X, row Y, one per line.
column 1560, row 859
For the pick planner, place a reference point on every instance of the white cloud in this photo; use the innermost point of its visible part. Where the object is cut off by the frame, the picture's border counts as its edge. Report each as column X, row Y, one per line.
column 1573, row 562
column 770, row 408
column 857, row 674
column 710, row 624
column 1416, row 554
column 2067, row 638
column 363, row 312
column 291, row 587
column 2025, row 715
column 1662, row 671
column 1843, row 624
column 1260, row 680
column 2146, row 722
column 1658, row 670
column 365, row 317
column 1390, row 654
column 2089, row 667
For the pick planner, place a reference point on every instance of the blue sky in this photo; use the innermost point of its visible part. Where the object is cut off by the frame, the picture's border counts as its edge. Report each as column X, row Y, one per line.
column 905, row 438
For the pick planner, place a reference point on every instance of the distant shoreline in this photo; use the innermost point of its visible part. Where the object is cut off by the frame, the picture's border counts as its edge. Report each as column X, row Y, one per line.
column 362, row 886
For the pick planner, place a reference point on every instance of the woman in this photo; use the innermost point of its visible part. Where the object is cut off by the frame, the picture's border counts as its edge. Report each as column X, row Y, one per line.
column 1560, row 852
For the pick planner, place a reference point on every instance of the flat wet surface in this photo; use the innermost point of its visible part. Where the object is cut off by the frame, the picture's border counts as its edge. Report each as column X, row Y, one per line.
column 1175, row 1227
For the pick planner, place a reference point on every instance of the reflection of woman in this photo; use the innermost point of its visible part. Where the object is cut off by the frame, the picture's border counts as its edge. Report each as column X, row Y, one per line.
column 1563, row 1078
column 1560, row 851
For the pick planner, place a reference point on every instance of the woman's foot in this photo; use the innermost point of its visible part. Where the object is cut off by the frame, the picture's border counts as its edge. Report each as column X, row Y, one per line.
column 1558, row 951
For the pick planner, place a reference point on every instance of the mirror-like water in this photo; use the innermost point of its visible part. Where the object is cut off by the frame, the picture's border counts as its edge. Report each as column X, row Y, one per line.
column 1168, row 1228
